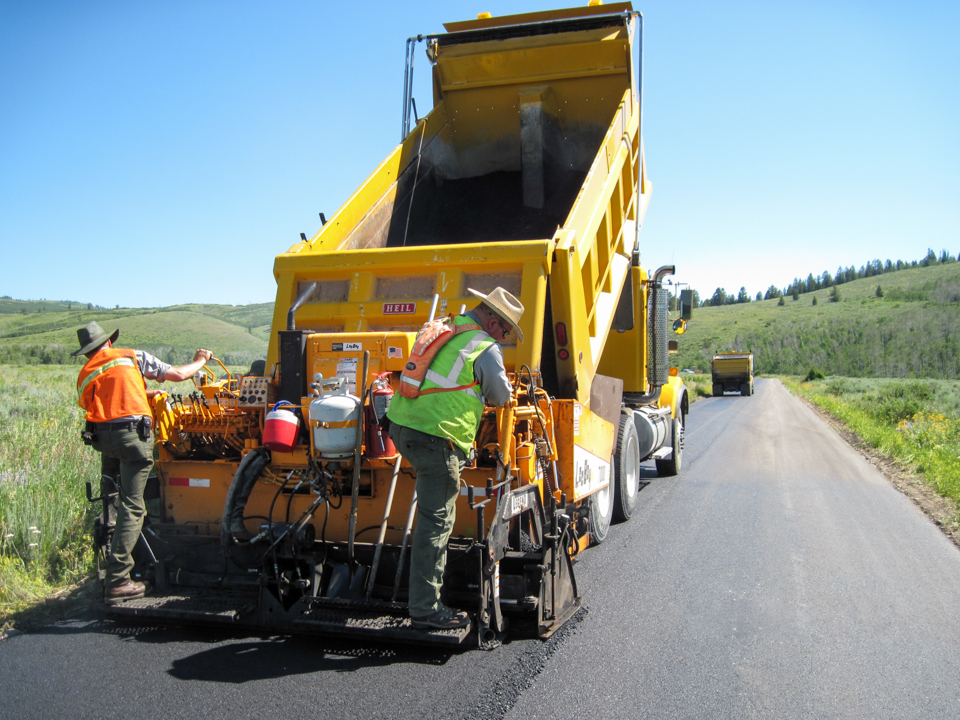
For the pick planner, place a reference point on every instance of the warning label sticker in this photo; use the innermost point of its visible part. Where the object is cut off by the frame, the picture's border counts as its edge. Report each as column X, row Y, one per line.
column 190, row 482
column 347, row 368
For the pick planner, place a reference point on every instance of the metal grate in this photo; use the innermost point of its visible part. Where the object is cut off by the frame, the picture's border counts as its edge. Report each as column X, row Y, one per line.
column 374, row 622
column 658, row 360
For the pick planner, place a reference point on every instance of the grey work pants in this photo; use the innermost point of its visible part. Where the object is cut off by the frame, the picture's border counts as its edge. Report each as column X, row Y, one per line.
column 438, row 465
column 125, row 460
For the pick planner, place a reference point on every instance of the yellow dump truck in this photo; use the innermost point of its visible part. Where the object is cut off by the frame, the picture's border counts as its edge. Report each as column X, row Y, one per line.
column 285, row 505
column 732, row 372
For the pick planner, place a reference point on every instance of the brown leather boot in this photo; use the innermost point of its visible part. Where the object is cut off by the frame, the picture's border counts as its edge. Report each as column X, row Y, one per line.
column 127, row 591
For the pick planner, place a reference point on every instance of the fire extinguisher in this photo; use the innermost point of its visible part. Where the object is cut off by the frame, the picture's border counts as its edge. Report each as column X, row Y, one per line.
column 379, row 443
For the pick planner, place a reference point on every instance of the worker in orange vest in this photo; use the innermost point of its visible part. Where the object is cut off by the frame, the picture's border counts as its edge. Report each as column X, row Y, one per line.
column 112, row 390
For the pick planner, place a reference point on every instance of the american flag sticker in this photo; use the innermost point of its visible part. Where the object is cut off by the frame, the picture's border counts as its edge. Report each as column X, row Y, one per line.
column 395, row 352
column 190, row 482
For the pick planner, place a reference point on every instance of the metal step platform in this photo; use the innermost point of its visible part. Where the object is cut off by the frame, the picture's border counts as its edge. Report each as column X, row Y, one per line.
column 372, row 620
column 203, row 606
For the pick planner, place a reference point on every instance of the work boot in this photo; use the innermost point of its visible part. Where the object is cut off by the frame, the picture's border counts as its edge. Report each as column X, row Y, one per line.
column 442, row 619
column 127, row 591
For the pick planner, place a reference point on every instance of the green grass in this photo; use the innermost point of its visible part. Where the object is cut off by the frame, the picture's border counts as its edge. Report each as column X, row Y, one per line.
column 916, row 422
column 699, row 385
column 45, row 520
column 913, row 331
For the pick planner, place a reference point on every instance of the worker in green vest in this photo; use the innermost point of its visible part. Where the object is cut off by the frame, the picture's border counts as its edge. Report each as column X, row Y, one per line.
column 435, row 432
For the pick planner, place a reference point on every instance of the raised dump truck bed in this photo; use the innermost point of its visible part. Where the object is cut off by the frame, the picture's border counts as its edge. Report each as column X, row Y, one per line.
column 527, row 174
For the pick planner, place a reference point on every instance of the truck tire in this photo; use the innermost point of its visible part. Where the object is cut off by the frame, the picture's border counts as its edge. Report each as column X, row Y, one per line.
column 744, row 389
column 717, row 390
column 627, row 470
column 671, row 466
column 601, row 513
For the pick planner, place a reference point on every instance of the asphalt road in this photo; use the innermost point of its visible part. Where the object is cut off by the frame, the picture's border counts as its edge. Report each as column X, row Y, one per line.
column 780, row 576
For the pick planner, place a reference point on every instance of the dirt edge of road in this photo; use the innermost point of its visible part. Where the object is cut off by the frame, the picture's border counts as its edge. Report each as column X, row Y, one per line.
column 941, row 511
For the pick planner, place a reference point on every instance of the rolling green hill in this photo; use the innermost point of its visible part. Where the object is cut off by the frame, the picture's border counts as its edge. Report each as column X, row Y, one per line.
column 46, row 332
column 913, row 330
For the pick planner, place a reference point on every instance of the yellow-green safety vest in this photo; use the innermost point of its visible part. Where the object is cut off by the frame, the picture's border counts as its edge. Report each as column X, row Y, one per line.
column 454, row 415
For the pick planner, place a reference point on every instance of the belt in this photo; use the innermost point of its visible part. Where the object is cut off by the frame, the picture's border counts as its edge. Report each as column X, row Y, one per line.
column 124, row 425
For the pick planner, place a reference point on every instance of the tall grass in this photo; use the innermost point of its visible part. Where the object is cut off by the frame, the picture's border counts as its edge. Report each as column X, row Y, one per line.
column 45, row 520
column 699, row 384
column 917, row 422
column 46, row 523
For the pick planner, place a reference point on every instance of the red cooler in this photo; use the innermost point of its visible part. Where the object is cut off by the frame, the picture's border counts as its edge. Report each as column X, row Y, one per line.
column 281, row 428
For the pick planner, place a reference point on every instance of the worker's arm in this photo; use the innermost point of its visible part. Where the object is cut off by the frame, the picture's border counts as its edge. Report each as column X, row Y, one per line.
column 492, row 376
column 185, row 372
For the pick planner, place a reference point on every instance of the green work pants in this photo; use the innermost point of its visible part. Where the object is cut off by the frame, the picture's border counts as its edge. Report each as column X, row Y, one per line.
column 438, row 465
column 125, row 462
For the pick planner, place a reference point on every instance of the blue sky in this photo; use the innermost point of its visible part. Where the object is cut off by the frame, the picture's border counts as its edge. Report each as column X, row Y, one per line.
column 161, row 153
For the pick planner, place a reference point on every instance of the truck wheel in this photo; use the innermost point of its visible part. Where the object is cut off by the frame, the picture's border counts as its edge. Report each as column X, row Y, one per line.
column 601, row 513
column 717, row 390
column 627, row 470
column 671, row 466
column 744, row 389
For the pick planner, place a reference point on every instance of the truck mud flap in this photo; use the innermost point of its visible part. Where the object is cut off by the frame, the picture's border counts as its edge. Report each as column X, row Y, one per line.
column 199, row 606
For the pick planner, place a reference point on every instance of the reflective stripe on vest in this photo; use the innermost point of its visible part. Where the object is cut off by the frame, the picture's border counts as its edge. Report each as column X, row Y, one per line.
column 452, row 378
column 453, row 415
column 103, row 369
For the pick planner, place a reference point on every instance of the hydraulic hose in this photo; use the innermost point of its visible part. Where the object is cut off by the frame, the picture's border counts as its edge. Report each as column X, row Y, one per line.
column 244, row 479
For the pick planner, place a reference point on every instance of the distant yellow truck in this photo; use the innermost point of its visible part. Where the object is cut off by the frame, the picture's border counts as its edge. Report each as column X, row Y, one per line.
column 733, row 372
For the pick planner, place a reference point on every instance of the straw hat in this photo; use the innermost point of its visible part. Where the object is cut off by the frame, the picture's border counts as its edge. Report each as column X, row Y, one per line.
column 505, row 305
column 91, row 337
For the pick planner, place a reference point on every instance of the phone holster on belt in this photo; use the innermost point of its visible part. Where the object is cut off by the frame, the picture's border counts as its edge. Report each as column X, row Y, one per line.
column 89, row 434
column 143, row 428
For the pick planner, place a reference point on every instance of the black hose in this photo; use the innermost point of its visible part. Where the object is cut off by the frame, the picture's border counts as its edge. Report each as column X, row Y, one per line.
column 244, row 479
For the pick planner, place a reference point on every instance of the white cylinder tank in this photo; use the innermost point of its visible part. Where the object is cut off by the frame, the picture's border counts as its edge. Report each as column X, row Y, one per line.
column 334, row 418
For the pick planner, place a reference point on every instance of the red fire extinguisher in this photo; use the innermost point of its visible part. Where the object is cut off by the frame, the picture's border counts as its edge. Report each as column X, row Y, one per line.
column 379, row 443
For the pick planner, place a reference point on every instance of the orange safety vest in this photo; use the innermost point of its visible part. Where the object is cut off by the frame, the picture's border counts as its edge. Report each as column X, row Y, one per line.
column 111, row 386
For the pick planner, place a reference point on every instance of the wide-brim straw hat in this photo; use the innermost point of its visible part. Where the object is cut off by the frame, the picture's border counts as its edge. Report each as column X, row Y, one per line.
column 91, row 337
column 505, row 305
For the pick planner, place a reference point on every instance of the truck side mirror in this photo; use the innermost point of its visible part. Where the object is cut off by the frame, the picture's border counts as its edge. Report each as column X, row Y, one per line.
column 686, row 304
column 679, row 327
